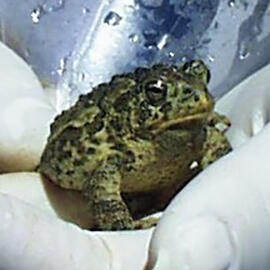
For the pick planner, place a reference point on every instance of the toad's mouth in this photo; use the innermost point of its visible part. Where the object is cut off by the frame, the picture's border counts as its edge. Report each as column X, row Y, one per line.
column 183, row 122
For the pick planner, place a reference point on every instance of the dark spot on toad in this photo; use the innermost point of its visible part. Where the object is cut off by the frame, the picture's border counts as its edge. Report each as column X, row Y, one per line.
column 77, row 162
column 119, row 146
column 116, row 124
column 122, row 102
column 129, row 157
column 90, row 151
column 96, row 125
column 71, row 133
column 115, row 159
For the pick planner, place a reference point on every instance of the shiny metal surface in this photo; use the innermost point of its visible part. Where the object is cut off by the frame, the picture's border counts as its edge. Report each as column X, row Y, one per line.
column 75, row 45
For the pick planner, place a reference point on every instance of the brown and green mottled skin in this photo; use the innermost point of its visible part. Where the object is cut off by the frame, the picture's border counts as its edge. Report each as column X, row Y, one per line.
column 129, row 144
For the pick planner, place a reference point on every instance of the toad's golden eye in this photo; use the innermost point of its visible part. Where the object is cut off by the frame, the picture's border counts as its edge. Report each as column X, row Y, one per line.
column 156, row 92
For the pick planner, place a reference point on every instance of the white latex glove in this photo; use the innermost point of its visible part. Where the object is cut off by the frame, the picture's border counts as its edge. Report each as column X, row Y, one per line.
column 217, row 223
column 31, row 235
column 221, row 220
column 25, row 113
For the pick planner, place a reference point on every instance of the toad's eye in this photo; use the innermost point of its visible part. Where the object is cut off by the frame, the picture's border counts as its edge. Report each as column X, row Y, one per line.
column 198, row 69
column 156, row 92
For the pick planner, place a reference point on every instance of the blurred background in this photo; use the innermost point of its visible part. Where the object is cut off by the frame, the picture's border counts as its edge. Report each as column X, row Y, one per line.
column 73, row 45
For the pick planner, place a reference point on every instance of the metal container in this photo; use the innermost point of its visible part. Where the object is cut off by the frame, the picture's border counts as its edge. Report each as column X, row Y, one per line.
column 74, row 45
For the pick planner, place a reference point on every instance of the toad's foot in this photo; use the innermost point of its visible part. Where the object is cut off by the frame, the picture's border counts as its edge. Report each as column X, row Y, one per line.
column 146, row 223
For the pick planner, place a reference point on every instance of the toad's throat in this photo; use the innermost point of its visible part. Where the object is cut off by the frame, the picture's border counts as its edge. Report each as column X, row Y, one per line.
column 182, row 122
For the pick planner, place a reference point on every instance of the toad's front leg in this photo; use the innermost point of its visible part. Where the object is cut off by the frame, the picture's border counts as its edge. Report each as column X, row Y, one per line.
column 106, row 204
column 216, row 144
column 105, row 201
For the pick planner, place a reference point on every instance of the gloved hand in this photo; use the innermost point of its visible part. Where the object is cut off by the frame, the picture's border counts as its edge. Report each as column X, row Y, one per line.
column 219, row 221
column 31, row 234
column 32, row 237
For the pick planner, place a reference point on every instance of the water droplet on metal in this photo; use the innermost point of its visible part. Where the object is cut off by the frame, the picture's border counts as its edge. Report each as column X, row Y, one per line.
column 231, row 3
column 211, row 58
column 171, row 54
column 112, row 18
column 47, row 7
column 134, row 38
column 163, row 42
column 85, row 10
column 62, row 66
column 52, row 5
column 184, row 59
column 243, row 51
column 36, row 15
column 244, row 55
column 150, row 47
